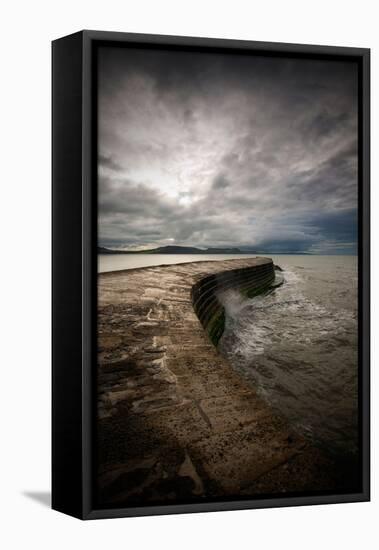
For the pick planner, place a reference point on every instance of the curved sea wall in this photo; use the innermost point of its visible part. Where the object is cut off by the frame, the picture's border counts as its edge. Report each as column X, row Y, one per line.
column 175, row 421
column 249, row 280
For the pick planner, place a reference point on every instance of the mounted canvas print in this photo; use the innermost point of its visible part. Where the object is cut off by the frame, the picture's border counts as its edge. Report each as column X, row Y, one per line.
column 211, row 274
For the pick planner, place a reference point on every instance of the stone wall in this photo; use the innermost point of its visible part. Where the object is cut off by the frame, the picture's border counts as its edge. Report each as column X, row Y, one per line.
column 175, row 422
column 251, row 281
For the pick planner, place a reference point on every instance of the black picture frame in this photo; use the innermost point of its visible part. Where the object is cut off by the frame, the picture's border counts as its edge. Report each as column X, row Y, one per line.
column 74, row 266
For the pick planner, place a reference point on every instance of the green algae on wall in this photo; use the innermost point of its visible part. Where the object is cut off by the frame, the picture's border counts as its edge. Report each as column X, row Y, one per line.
column 250, row 281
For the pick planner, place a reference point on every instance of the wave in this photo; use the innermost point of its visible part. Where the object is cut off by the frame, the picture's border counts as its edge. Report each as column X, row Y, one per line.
column 298, row 346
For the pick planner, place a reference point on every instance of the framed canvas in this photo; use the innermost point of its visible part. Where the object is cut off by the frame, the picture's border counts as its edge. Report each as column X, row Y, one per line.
column 210, row 275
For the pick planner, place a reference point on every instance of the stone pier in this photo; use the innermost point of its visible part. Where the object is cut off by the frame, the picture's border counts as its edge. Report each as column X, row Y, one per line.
column 176, row 423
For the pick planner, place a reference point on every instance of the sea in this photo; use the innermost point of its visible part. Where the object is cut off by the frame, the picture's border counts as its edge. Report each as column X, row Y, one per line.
column 117, row 262
column 297, row 345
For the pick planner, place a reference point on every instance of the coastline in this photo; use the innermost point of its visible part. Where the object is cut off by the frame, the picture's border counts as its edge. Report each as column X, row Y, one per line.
column 176, row 422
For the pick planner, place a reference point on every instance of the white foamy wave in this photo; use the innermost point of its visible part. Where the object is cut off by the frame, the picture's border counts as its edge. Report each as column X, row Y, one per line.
column 298, row 346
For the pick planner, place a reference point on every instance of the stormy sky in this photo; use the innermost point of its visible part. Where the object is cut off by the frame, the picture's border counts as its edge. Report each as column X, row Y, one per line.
column 226, row 150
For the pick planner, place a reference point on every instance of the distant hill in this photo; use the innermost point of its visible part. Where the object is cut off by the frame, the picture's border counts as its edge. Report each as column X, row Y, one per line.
column 172, row 249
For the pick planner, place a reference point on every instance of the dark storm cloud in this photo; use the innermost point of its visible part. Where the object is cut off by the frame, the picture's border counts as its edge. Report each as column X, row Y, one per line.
column 107, row 162
column 213, row 150
column 220, row 182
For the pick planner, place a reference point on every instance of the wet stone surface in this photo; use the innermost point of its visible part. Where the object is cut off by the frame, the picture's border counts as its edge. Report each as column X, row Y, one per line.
column 175, row 422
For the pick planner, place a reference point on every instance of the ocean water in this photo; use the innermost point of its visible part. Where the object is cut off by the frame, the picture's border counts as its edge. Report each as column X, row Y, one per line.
column 117, row 262
column 298, row 346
